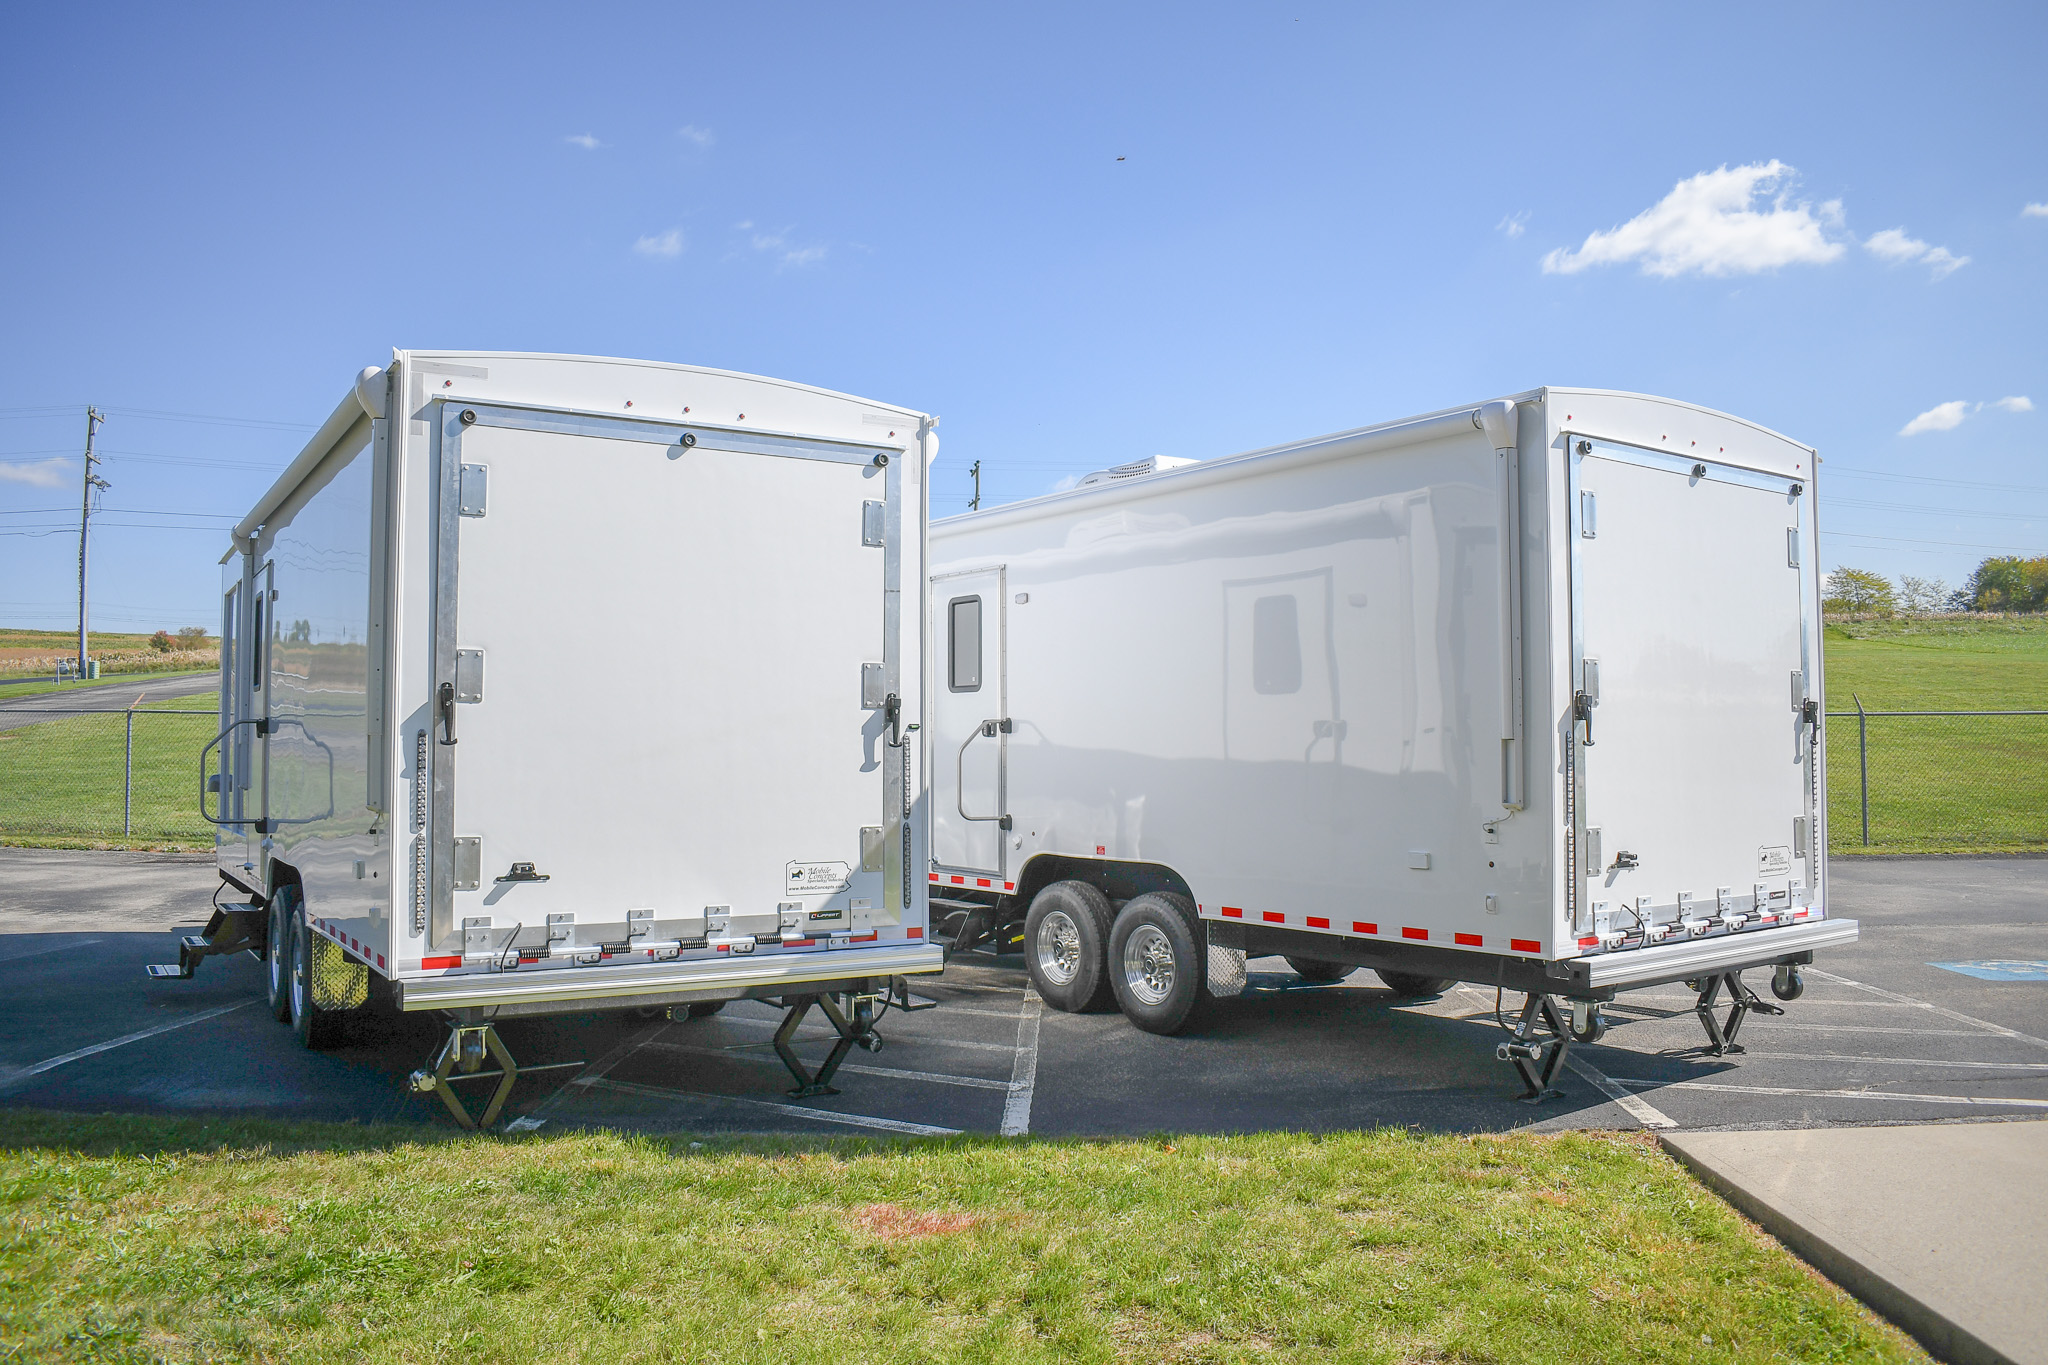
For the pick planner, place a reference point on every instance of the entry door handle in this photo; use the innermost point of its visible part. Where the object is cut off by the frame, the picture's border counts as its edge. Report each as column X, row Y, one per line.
column 987, row 729
column 1582, row 709
column 447, row 705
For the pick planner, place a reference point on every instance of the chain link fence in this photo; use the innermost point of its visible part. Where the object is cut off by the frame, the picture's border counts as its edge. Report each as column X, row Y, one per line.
column 1898, row 781
column 103, row 779
column 1930, row 781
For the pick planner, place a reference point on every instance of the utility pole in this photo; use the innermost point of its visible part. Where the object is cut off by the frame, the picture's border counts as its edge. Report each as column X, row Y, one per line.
column 974, row 503
column 92, row 481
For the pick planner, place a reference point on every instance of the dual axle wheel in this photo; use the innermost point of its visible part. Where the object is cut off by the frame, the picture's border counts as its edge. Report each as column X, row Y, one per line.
column 1151, row 957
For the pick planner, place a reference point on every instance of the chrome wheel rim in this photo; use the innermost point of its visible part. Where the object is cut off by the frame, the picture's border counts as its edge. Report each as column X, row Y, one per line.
column 1059, row 948
column 298, row 972
column 1148, row 965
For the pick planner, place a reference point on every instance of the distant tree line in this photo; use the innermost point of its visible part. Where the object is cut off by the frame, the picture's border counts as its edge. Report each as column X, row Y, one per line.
column 2002, row 583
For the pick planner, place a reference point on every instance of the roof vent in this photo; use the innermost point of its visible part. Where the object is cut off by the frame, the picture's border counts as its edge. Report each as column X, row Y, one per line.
column 1137, row 469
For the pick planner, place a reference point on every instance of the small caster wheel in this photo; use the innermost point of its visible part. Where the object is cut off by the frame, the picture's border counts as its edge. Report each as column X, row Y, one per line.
column 1589, row 1025
column 1788, row 983
column 871, row 1042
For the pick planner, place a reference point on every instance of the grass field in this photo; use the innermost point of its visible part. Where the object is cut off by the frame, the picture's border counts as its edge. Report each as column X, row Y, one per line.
column 61, row 781
column 180, row 667
column 34, row 653
column 152, row 1239
column 1940, row 785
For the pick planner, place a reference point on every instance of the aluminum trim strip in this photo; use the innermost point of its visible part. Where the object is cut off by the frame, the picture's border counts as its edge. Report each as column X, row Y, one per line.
column 623, row 982
column 661, row 431
column 1727, row 953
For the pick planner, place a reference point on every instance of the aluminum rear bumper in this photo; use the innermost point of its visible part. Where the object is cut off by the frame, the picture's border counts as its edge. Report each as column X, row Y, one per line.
column 1702, row 957
column 623, row 986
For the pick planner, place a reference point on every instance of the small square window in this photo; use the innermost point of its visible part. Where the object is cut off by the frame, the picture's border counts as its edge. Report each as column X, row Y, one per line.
column 1276, row 645
column 963, row 644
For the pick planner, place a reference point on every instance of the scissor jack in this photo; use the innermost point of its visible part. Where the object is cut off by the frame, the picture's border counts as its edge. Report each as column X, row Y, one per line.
column 853, row 1015
column 1538, row 1058
column 462, row 1058
column 1742, row 1001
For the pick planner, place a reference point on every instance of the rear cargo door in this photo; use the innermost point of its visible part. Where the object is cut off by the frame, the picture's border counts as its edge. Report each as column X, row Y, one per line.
column 661, row 677
column 1694, row 764
column 971, row 740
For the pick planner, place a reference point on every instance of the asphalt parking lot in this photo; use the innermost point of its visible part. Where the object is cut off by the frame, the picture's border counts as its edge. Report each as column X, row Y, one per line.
column 1881, row 1036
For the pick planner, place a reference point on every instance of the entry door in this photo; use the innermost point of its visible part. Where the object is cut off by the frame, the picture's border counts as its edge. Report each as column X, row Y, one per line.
column 970, row 755
column 1280, row 671
column 1691, row 664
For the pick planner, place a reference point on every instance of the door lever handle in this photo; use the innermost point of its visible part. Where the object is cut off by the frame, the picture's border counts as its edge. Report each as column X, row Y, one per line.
column 1582, row 709
column 447, row 703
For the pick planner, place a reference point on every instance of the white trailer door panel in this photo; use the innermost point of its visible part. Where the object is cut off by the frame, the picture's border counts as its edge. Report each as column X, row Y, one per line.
column 666, row 710
column 1691, row 672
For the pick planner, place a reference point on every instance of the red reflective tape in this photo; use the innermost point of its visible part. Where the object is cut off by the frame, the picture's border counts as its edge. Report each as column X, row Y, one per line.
column 1361, row 927
column 981, row 881
column 431, row 964
column 724, row 948
column 380, row 959
column 1318, row 922
column 796, row 943
column 1799, row 914
column 1273, row 917
column 1588, row 942
column 1414, row 933
column 959, row 881
column 1009, row 886
column 1525, row 945
column 914, row 931
column 1468, row 940
column 865, row 938
column 1233, row 912
column 934, row 876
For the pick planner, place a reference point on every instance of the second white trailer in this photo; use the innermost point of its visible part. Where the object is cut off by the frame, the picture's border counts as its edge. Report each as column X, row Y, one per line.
column 1525, row 693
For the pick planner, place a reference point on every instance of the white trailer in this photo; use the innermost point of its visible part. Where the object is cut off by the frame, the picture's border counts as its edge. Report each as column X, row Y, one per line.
column 559, row 683
column 1525, row 693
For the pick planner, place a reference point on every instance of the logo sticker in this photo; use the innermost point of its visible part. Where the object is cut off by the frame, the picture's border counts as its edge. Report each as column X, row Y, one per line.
column 1774, row 861
column 817, row 879
column 817, row 915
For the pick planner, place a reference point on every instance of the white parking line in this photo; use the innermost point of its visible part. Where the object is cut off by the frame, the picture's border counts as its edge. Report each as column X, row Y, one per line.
column 59, row 948
column 1833, row 1094
column 1960, row 1018
column 798, row 1110
column 1895, row 1061
column 40, row 1067
column 1641, row 1110
column 809, row 1036
column 1024, row 1071
column 595, row 1071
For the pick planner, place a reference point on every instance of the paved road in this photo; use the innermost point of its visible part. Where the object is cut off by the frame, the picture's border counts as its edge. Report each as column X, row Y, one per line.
column 1880, row 1037
column 117, row 695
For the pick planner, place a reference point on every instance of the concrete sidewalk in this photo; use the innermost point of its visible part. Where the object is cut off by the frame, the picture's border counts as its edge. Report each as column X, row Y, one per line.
column 1943, row 1228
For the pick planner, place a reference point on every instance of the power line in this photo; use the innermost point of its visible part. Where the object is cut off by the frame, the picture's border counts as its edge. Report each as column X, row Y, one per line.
column 1833, row 468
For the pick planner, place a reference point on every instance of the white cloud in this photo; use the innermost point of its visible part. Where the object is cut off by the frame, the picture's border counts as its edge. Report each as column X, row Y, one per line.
column 2035, row 211
column 663, row 244
column 1895, row 246
column 1709, row 225
column 778, row 245
column 1944, row 417
column 51, row 473
column 1514, row 225
column 2016, row 403
column 583, row 140
column 690, row 132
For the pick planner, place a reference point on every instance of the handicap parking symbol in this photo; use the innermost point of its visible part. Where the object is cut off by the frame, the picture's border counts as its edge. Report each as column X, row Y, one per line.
column 2009, row 969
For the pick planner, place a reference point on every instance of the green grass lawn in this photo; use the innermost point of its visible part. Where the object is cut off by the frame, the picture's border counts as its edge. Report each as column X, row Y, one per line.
column 1940, row 785
column 62, row 781
column 152, row 1239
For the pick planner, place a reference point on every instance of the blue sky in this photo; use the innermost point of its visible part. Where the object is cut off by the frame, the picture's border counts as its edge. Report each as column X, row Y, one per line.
column 1082, row 235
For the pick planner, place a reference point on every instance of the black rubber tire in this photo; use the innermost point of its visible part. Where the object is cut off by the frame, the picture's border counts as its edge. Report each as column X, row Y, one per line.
column 1084, row 960
column 1413, row 985
column 1595, row 1030
column 1175, row 932
column 1792, row 989
column 318, row 1029
column 277, row 953
column 1308, row 969
column 704, row 1009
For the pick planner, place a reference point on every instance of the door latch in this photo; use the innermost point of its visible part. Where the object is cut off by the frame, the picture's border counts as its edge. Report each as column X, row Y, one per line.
column 1582, row 710
column 1624, row 861
column 523, row 872
column 447, row 707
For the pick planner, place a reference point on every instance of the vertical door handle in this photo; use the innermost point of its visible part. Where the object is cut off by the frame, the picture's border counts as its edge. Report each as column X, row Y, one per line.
column 1582, row 709
column 447, row 702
